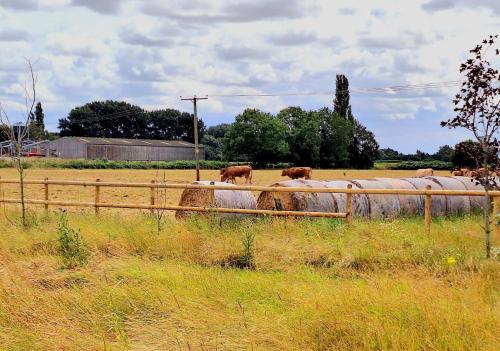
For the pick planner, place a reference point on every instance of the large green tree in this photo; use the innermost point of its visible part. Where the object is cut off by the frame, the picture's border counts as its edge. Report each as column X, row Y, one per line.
column 445, row 153
column 219, row 130
column 118, row 119
column 256, row 136
column 336, row 134
column 341, row 102
column 213, row 147
column 213, row 141
column 303, row 135
column 363, row 150
column 39, row 116
column 112, row 119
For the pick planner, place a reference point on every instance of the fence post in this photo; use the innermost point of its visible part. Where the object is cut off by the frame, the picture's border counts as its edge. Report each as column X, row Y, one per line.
column 152, row 196
column 428, row 211
column 348, row 205
column 46, row 186
column 496, row 212
column 97, row 196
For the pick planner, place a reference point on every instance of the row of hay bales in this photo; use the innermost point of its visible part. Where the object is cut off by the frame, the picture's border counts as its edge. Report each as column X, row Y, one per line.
column 364, row 205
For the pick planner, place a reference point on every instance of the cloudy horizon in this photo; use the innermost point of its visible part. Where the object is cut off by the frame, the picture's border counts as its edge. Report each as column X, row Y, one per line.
column 149, row 53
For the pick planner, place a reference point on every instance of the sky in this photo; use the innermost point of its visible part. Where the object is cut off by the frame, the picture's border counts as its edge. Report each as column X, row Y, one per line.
column 150, row 53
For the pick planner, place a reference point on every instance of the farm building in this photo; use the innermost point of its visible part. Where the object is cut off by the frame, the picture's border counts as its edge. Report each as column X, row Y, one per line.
column 123, row 149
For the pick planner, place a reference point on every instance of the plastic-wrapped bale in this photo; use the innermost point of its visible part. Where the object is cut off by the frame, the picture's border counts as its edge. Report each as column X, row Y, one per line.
column 476, row 202
column 454, row 204
column 438, row 207
column 409, row 204
column 380, row 205
column 239, row 199
column 297, row 201
column 360, row 202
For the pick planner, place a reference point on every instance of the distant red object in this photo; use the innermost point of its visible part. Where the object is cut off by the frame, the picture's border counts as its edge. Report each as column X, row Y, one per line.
column 33, row 154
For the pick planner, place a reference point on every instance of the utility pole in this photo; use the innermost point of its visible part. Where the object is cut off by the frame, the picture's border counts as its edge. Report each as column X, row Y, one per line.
column 194, row 99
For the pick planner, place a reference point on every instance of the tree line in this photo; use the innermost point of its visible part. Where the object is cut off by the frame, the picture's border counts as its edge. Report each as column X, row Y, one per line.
column 465, row 154
column 119, row 119
column 319, row 138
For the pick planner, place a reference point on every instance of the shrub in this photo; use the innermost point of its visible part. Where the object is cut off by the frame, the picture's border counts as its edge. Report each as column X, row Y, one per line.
column 405, row 165
column 246, row 258
column 71, row 247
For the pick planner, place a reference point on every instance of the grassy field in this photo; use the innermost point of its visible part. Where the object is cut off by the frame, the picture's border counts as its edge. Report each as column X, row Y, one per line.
column 311, row 285
column 128, row 195
column 316, row 285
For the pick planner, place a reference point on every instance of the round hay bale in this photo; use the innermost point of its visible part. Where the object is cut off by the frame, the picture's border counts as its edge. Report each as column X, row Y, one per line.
column 454, row 204
column 476, row 202
column 297, row 201
column 438, row 207
column 216, row 198
column 360, row 202
column 409, row 204
column 381, row 205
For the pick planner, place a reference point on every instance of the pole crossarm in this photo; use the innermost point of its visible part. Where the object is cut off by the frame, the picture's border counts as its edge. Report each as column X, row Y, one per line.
column 195, row 99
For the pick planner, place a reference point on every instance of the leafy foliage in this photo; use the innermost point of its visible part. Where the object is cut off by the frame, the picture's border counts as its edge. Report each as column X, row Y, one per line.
column 445, row 153
column 477, row 107
column 71, row 248
column 434, row 164
column 257, row 137
column 336, row 135
column 363, row 148
column 341, row 103
column 105, row 164
column 467, row 153
column 213, row 148
column 303, row 137
column 114, row 119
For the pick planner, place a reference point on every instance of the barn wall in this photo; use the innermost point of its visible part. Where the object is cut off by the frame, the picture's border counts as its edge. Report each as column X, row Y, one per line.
column 140, row 153
column 68, row 148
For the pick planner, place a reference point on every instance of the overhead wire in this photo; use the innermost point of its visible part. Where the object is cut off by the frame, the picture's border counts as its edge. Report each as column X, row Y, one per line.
column 387, row 90
column 390, row 89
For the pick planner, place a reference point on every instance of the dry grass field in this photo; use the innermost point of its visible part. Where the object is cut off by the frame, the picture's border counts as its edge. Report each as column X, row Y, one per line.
column 313, row 285
column 130, row 195
column 316, row 285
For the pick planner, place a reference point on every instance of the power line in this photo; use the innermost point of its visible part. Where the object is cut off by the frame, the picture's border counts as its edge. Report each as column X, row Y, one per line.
column 389, row 90
column 374, row 90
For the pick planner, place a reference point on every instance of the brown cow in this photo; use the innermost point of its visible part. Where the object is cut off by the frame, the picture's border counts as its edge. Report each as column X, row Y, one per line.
column 229, row 174
column 424, row 172
column 297, row 172
column 462, row 172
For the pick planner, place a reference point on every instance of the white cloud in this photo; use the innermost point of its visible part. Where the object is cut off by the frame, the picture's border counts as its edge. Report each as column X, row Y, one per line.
column 150, row 52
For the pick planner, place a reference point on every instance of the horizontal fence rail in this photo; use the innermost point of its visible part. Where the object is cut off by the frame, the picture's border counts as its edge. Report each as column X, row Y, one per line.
column 178, row 208
column 154, row 185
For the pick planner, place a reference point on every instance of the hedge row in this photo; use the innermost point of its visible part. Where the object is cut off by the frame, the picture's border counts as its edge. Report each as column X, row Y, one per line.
column 408, row 165
column 105, row 164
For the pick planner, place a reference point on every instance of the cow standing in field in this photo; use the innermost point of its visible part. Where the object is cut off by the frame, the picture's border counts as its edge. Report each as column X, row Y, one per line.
column 229, row 174
column 424, row 172
column 462, row 172
column 297, row 172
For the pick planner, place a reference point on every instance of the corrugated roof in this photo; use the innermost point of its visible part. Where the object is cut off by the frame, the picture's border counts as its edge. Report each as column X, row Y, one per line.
column 132, row 142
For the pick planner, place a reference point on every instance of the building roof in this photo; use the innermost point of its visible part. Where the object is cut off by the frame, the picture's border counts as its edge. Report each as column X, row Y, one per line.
column 132, row 142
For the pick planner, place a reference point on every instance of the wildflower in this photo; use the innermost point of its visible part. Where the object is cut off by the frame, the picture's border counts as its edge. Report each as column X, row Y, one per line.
column 451, row 260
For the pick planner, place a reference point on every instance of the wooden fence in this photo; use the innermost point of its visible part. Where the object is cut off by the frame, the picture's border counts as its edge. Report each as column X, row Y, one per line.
column 349, row 191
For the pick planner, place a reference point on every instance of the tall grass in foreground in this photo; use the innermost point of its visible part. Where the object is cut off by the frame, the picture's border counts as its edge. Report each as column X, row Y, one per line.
column 316, row 285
